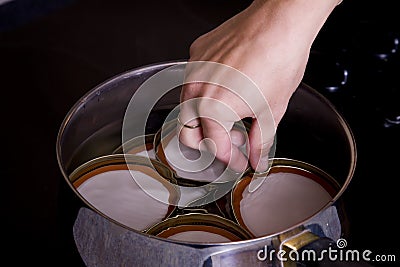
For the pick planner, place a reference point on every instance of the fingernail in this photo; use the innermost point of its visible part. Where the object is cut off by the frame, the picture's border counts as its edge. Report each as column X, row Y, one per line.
column 261, row 173
column 256, row 182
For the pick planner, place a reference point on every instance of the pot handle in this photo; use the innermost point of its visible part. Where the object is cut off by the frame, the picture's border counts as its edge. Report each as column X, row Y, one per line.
column 305, row 249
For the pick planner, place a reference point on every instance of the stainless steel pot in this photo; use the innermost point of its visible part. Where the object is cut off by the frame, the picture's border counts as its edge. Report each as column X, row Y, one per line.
column 311, row 131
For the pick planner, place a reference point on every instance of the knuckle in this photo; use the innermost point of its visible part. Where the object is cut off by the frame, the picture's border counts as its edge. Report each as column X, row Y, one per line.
column 195, row 45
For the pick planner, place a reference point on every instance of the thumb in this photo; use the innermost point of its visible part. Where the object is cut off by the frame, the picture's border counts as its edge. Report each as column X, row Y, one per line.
column 262, row 143
column 262, row 149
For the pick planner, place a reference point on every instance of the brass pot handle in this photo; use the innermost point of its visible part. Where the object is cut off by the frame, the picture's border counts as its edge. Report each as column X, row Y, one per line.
column 294, row 241
column 302, row 239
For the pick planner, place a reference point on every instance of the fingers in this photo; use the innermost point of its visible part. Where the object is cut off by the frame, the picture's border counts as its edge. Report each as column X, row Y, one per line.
column 190, row 136
column 261, row 142
column 214, row 135
column 238, row 138
column 217, row 105
column 219, row 141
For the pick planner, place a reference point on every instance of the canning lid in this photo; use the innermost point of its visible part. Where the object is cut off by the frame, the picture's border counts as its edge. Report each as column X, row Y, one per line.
column 292, row 192
column 167, row 147
column 199, row 228
column 108, row 185
column 139, row 146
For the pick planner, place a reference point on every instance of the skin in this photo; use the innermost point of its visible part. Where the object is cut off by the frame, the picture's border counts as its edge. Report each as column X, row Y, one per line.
column 269, row 42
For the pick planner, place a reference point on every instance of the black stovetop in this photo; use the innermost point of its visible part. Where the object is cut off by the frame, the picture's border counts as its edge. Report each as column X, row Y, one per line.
column 53, row 52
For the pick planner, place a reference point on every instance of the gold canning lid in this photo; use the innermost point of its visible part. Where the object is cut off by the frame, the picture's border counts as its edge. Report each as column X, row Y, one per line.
column 278, row 208
column 137, row 146
column 199, row 228
column 108, row 185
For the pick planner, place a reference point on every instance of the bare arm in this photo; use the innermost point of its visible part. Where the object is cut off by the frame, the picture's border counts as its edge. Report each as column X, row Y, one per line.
column 269, row 42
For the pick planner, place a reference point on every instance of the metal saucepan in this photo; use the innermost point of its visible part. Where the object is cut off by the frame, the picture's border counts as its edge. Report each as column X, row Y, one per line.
column 312, row 133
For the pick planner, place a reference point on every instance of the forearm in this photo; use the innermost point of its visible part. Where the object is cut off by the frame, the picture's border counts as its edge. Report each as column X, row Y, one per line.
column 298, row 21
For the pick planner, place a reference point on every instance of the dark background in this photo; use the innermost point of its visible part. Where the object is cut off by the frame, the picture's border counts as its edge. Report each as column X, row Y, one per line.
column 53, row 52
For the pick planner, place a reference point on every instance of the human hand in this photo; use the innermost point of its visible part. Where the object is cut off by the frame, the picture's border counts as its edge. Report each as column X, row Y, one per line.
column 269, row 43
